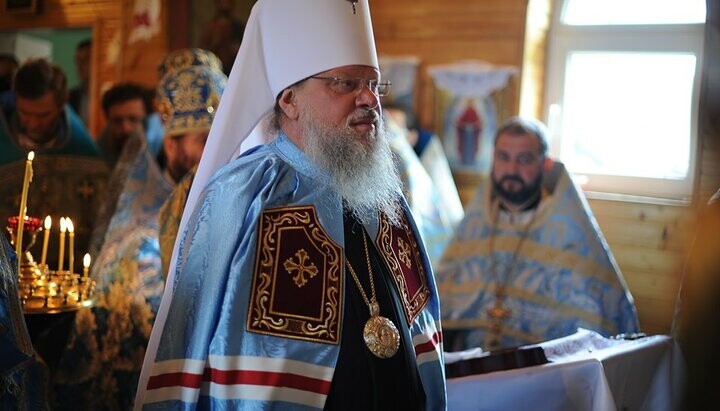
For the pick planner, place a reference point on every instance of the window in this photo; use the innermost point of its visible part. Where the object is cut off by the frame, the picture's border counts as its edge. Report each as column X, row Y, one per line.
column 622, row 92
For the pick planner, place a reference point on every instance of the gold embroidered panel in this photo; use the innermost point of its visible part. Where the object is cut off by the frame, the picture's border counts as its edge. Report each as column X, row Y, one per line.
column 297, row 280
column 400, row 251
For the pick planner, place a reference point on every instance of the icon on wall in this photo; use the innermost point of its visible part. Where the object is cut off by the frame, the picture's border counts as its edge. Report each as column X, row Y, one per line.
column 469, row 116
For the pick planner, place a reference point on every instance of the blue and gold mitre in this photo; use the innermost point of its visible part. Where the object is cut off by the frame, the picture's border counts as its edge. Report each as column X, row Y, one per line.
column 182, row 58
column 189, row 95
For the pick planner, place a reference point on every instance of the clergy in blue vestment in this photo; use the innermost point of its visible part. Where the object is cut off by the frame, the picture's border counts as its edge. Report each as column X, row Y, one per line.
column 429, row 150
column 69, row 176
column 23, row 376
column 424, row 197
column 101, row 364
column 528, row 262
column 298, row 279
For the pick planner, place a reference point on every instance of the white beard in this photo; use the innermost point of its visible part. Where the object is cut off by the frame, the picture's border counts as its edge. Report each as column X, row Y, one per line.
column 361, row 167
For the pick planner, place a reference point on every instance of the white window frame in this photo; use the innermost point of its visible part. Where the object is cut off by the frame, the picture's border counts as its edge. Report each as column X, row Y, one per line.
column 565, row 39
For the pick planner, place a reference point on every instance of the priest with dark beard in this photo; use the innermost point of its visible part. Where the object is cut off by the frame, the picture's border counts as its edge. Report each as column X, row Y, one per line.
column 299, row 280
column 528, row 262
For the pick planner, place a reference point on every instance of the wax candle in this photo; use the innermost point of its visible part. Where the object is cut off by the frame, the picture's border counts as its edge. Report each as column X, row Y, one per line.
column 86, row 265
column 61, row 256
column 23, row 207
column 71, row 236
column 48, row 225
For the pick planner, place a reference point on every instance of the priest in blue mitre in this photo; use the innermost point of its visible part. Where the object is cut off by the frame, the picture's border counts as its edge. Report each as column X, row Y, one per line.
column 101, row 363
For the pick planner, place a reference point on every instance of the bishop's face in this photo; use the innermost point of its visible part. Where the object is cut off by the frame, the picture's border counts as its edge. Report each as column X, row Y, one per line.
column 517, row 167
column 342, row 133
column 354, row 113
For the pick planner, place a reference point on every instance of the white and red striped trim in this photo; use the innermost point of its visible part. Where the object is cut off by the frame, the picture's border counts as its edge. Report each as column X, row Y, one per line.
column 240, row 378
column 428, row 346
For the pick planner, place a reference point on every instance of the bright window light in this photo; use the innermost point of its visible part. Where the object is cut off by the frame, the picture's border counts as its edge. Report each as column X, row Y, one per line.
column 611, row 12
column 628, row 113
column 622, row 94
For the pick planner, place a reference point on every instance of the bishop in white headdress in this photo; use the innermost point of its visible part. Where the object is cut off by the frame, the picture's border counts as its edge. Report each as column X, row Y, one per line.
column 261, row 307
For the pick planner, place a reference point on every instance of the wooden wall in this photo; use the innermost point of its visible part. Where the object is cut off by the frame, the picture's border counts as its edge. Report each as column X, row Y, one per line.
column 441, row 32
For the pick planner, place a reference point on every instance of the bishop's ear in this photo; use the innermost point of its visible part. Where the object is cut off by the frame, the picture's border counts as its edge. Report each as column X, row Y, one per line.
column 288, row 104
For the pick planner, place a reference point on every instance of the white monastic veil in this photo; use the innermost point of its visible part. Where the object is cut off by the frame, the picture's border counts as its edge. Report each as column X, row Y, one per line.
column 285, row 41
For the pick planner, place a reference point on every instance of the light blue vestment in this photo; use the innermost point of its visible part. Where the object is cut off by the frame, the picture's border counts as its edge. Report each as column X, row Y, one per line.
column 560, row 277
column 432, row 218
column 242, row 333
column 102, row 361
column 23, row 378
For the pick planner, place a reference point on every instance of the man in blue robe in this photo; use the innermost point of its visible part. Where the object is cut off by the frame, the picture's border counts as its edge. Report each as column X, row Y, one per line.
column 528, row 262
column 101, row 364
column 299, row 281
column 23, row 376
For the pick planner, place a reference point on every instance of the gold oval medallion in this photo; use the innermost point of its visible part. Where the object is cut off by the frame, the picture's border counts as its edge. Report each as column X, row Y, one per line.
column 381, row 336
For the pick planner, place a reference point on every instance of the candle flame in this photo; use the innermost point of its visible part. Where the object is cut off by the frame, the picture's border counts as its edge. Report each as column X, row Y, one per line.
column 48, row 222
column 86, row 260
column 31, row 156
column 63, row 225
column 69, row 224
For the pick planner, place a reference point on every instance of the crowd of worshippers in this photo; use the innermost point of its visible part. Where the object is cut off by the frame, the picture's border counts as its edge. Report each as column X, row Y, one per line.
column 333, row 251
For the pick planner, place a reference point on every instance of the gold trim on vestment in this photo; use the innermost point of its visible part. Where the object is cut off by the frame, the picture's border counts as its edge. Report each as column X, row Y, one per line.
column 305, row 263
column 475, row 324
column 536, row 252
column 520, row 294
column 403, row 249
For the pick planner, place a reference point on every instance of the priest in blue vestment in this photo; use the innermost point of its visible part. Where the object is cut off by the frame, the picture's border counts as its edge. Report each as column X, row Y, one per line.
column 298, row 279
column 23, row 375
column 528, row 263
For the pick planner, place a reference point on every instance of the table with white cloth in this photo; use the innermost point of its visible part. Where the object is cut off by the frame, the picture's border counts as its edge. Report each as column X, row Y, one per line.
column 585, row 372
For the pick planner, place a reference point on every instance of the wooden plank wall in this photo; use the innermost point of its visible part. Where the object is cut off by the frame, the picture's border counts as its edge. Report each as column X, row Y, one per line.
column 649, row 242
column 441, row 32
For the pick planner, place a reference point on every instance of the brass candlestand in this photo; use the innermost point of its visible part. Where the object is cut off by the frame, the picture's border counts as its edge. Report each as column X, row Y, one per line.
column 45, row 291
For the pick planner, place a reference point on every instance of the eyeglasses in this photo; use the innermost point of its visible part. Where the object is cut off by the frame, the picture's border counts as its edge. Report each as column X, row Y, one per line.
column 354, row 85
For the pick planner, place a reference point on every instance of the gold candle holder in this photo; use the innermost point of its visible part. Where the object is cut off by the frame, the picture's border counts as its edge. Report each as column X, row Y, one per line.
column 31, row 226
column 44, row 291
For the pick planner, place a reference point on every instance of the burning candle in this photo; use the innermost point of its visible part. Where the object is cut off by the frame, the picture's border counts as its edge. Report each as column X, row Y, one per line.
column 48, row 225
column 86, row 265
column 71, row 235
column 23, row 207
column 61, row 256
